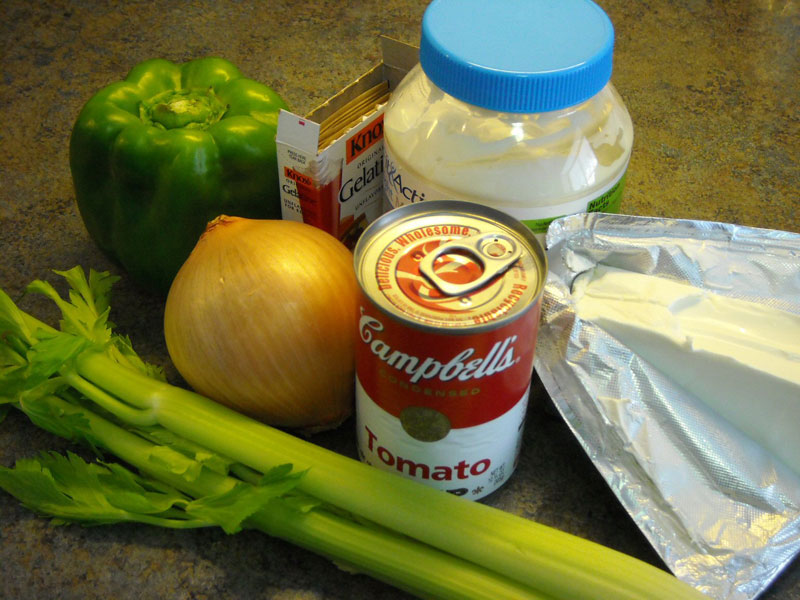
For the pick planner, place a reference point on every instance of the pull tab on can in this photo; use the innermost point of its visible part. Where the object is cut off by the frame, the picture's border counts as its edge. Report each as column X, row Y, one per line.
column 495, row 252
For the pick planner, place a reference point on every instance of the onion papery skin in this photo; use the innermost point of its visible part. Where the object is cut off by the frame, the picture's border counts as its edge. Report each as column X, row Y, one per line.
column 261, row 318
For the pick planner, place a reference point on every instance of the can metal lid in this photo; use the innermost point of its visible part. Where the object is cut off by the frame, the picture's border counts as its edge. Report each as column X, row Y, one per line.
column 450, row 264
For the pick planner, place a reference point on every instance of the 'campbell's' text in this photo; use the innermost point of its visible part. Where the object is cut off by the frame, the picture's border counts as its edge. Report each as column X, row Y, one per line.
column 461, row 366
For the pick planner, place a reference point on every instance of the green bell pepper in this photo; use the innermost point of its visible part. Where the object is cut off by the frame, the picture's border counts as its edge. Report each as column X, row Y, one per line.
column 157, row 156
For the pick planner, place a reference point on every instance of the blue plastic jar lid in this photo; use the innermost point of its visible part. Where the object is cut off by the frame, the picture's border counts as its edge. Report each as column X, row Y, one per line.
column 518, row 56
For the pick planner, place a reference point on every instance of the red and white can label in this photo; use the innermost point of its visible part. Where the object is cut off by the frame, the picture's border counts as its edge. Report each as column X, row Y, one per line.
column 445, row 409
column 446, row 336
column 470, row 380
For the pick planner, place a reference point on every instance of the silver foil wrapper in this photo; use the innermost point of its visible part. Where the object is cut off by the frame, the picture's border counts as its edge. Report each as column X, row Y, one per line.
column 720, row 510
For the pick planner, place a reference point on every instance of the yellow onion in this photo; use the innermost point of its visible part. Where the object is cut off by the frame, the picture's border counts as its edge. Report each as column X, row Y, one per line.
column 261, row 318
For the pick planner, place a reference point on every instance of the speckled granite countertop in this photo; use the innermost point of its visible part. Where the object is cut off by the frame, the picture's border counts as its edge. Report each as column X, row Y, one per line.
column 712, row 88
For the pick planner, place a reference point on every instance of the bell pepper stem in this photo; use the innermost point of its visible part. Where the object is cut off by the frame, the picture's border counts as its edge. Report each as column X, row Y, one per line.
column 178, row 109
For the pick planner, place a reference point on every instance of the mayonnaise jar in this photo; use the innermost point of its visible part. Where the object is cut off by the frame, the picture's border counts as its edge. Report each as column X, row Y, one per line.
column 511, row 106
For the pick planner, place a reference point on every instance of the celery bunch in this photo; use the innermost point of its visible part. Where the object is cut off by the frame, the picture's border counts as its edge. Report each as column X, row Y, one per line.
column 200, row 464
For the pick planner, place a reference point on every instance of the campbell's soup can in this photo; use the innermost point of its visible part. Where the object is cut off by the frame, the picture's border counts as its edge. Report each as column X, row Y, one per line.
column 449, row 311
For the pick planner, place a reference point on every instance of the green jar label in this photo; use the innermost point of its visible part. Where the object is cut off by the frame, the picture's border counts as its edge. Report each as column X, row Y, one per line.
column 607, row 202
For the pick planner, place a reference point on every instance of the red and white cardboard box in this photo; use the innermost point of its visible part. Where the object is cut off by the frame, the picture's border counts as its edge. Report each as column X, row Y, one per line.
column 339, row 188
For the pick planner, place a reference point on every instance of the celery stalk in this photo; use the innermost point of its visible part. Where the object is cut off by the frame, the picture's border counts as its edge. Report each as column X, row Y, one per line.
column 397, row 560
column 541, row 558
column 554, row 562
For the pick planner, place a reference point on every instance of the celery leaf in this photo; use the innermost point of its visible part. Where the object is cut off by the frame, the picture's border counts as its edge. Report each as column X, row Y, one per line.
column 165, row 437
column 68, row 489
column 176, row 463
column 74, row 427
column 12, row 320
column 86, row 313
column 231, row 509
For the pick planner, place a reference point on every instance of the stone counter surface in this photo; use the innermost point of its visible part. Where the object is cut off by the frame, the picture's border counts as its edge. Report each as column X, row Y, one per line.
column 712, row 87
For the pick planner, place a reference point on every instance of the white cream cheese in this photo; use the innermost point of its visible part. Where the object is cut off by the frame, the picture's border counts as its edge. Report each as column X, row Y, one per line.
column 741, row 358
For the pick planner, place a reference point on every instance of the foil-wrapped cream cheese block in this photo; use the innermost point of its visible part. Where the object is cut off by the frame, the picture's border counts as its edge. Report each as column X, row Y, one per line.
column 740, row 357
column 671, row 348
